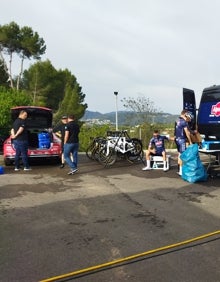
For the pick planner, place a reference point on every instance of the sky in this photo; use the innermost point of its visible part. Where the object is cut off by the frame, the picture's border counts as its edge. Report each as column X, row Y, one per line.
column 138, row 48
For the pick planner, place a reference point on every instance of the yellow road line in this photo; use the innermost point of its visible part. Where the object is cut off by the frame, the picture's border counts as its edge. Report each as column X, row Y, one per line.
column 118, row 261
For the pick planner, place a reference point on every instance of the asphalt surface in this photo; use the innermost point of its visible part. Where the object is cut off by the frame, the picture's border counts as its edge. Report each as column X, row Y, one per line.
column 53, row 224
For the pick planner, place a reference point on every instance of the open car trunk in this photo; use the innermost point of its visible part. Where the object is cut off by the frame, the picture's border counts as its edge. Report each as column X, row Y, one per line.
column 39, row 122
column 41, row 139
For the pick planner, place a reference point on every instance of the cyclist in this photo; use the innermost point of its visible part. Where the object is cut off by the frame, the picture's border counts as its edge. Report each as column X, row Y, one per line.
column 156, row 147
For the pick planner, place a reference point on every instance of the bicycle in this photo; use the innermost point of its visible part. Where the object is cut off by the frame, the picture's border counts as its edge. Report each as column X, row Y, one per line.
column 92, row 151
column 120, row 144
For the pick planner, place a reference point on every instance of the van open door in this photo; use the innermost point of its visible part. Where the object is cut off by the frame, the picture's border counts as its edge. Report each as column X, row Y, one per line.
column 189, row 104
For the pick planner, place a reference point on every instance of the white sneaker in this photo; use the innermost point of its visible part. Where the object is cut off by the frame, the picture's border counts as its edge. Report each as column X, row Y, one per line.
column 179, row 173
column 73, row 171
column 17, row 169
column 27, row 168
column 146, row 168
column 165, row 169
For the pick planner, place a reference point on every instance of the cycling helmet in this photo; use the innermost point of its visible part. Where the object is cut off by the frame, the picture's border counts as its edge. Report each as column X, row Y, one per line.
column 189, row 115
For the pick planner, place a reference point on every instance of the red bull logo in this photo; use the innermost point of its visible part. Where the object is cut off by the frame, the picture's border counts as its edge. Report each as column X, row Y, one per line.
column 215, row 110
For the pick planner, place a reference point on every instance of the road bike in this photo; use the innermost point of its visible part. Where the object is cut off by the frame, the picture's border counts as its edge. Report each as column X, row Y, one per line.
column 120, row 145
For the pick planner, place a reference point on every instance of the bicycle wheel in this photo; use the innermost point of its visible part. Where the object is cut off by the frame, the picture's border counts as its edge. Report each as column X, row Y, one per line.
column 89, row 151
column 136, row 154
column 135, row 158
column 107, row 159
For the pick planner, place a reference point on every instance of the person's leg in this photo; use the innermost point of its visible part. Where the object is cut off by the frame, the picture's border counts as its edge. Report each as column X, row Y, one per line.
column 182, row 148
column 62, row 157
column 178, row 158
column 74, row 154
column 68, row 147
column 17, row 154
column 24, row 154
column 164, row 161
column 147, row 167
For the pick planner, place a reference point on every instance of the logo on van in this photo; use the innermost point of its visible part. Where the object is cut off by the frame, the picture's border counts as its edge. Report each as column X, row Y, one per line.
column 216, row 110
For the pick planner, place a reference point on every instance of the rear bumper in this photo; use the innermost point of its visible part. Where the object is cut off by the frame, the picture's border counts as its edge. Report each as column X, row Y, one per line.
column 9, row 157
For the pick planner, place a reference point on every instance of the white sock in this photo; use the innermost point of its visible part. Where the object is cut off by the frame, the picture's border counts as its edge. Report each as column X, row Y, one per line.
column 148, row 163
column 164, row 164
column 180, row 171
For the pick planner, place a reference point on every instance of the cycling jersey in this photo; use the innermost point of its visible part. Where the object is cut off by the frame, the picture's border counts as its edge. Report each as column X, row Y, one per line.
column 158, row 143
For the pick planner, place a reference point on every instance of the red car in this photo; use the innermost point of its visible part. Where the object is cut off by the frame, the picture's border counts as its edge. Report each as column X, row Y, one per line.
column 43, row 144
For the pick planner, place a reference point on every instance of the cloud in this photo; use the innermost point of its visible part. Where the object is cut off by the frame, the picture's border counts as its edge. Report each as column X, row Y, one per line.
column 151, row 48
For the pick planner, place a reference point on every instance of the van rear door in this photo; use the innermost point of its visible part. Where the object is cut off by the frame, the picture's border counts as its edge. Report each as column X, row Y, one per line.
column 189, row 104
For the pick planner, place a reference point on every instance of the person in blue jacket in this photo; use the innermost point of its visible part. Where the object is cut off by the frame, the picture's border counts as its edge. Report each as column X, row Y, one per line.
column 156, row 147
column 182, row 135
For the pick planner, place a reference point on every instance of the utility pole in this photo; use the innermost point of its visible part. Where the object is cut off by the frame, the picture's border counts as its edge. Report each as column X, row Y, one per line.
column 116, row 110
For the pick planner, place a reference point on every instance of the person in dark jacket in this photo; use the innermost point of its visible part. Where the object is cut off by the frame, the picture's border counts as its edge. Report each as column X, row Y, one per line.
column 19, row 135
column 71, row 143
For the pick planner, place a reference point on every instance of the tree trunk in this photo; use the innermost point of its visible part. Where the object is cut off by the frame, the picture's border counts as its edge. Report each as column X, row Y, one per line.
column 10, row 74
column 20, row 74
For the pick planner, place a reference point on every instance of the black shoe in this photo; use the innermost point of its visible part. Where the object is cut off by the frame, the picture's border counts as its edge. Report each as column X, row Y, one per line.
column 62, row 165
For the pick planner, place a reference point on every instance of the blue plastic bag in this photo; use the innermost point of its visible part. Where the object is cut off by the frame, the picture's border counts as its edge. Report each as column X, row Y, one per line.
column 193, row 170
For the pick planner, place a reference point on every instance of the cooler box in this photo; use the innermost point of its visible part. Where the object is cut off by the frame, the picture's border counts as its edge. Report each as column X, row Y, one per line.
column 211, row 145
column 44, row 140
column 1, row 170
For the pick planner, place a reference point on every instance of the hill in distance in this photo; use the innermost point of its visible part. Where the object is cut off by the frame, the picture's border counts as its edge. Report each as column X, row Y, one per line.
column 125, row 117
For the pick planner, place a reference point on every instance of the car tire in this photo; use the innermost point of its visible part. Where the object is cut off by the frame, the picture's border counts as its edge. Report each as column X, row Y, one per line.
column 8, row 162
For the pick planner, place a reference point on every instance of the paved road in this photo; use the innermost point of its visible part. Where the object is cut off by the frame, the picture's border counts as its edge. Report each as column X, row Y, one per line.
column 52, row 223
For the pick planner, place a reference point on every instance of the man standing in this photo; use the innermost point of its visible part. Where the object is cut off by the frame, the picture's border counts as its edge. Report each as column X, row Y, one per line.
column 19, row 134
column 182, row 134
column 156, row 148
column 71, row 143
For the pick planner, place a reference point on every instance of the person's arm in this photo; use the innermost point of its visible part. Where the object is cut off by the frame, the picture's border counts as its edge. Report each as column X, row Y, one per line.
column 58, row 134
column 150, row 145
column 188, row 134
column 171, row 138
column 20, row 130
column 12, row 133
column 66, row 136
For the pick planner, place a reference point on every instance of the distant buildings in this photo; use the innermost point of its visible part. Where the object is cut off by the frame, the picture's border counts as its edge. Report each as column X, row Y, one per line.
column 96, row 121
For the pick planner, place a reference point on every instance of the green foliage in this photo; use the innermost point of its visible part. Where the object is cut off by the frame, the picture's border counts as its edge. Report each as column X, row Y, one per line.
column 8, row 99
column 54, row 89
column 31, row 45
column 87, row 133
column 9, row 37
column 72, row 102
column 45, row 84
column 22, row 41
column 3, row 75
column 144, row 133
